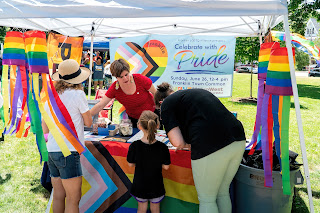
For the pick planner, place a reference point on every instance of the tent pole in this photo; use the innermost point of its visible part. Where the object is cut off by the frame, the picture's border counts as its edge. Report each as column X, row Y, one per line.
column 91, row 62
column 297, row 108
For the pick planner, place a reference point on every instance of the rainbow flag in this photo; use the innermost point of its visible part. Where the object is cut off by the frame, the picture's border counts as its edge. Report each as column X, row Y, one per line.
column 181, row 194
column 105, row 187
column 299, row 42
column 278, row 78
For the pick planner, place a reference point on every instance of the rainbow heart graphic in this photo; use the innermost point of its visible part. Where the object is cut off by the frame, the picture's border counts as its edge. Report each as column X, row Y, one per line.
column 150, row 60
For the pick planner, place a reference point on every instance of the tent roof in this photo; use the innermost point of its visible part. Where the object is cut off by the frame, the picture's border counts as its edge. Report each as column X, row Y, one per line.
column 119, row 18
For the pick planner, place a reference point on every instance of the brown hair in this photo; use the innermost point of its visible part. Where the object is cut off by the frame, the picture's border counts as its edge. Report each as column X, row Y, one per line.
column 61, row 86
column 163, row 91
column 149, row 121
column 118, row 66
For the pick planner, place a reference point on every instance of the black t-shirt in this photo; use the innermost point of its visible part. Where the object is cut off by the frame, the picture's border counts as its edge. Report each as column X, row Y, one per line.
column 148, row 180
column 204, row 121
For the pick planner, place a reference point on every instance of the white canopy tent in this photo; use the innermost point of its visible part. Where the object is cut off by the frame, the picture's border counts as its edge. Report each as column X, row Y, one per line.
column 122, row 18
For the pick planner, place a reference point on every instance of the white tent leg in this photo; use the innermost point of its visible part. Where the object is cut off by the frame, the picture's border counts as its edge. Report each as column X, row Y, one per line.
column 91, row 62
column 298, row 113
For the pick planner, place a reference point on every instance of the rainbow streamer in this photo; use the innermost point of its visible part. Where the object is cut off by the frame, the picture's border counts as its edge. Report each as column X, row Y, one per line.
column 299, row 42
column 24, row 58
column 275, row 116
column 273, row 108
column 264, row 56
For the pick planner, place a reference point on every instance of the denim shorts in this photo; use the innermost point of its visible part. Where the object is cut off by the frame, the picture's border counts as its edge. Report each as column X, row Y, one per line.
column 64, row 167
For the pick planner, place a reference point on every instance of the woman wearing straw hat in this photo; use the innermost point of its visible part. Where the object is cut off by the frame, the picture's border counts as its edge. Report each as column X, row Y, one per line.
column 134, row 91
column 66, row 172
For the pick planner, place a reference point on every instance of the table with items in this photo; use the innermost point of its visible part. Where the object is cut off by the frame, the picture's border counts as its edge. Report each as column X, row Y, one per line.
column 107, row 177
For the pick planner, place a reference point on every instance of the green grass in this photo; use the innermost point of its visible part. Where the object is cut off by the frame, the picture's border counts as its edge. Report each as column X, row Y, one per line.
column 20, row 169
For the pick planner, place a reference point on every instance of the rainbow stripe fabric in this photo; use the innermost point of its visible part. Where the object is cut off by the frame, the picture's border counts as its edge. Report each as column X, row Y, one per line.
column 14, row 49
column 181, row 194
column 299, row 42
column 278, row 77
column 264, row 55
column 36, row 49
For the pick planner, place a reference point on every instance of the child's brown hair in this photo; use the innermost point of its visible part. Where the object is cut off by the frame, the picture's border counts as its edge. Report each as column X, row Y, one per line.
column 150, row 122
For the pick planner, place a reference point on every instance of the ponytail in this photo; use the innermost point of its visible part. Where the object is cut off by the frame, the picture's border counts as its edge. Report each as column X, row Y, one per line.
column 149, row 121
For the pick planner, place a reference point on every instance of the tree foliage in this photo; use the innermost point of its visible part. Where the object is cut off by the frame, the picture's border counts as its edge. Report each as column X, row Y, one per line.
column 3, row 31
column 302, row 59
column 247, row 49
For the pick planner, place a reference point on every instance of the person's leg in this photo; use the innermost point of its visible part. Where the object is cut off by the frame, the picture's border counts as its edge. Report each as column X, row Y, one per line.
column 72, row 187
column 208, row 174
column 101, row 84
column 95, row 84
column 71, row 177
column 59, row 195
column 155, row 207
column 236, row 150
column 142, row 207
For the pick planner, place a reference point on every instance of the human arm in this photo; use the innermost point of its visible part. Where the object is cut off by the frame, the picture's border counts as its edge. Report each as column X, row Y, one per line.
column 131, row 158
column 87, row 118
column 45, row 128
column 176, row 139
column 100, row 105
column 152, row 89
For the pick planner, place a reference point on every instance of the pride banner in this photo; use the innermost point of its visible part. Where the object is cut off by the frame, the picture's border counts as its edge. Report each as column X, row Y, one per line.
column 183, row 61
column 62, row 47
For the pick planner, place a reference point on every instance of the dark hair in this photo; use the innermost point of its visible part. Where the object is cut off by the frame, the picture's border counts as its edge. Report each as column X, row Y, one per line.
column 163, row 91
column 149, row 121
column 118, row 66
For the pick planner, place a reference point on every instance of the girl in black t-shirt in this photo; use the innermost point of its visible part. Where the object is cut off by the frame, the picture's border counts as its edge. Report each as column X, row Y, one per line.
column 149, row 157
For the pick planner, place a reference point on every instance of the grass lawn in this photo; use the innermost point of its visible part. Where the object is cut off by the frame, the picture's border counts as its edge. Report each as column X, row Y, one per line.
column 20, row 170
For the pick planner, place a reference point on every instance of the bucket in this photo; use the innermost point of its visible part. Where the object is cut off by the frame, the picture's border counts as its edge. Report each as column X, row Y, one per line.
column 250, row 195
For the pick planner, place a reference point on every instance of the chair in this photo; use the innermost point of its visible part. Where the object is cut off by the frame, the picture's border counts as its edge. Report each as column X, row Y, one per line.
column 104, row 112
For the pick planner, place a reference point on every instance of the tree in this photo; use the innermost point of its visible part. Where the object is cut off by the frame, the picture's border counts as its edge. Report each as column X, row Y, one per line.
column 302, row 59
column 3, row 31
column 299, row 12
column 247, row 50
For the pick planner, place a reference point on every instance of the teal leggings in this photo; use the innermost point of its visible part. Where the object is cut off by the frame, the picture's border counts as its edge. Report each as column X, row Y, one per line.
column 212, row 177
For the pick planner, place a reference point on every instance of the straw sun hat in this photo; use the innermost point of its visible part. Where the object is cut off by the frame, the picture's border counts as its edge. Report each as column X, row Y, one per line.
column 70, row 71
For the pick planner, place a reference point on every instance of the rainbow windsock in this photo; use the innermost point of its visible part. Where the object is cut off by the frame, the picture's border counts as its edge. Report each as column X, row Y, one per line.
column 275, row 117
column 36, row 49
column 264, row 55
column 278, row 78
column 273, row 109
column 24, row 59
column 14, row 49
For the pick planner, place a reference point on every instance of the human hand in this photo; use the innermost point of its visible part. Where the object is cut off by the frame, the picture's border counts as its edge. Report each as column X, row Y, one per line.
column 184, row 147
